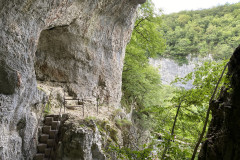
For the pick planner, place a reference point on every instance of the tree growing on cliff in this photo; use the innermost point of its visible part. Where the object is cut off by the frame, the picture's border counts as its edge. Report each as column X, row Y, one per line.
column 141, row 82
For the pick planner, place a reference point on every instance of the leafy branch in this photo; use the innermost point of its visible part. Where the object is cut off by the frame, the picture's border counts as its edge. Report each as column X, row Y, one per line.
column 207, row 115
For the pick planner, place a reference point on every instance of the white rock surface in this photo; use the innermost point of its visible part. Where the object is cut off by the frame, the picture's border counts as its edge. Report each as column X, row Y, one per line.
column 169, row 69
column 80, row 140
column 80, row 43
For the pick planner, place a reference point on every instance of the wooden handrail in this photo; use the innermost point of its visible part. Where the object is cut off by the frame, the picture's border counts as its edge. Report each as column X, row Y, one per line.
column 80, row 103
column 72, row 99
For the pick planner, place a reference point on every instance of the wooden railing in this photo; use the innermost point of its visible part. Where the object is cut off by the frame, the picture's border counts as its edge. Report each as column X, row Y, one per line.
column 80, row 103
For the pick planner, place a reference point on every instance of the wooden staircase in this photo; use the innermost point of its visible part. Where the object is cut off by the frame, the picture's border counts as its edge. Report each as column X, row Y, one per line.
column 48, row 138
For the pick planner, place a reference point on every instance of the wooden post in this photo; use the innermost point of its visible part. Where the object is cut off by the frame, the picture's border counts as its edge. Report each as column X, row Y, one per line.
column 83, row 107
column 97, row 103
column 64, row 100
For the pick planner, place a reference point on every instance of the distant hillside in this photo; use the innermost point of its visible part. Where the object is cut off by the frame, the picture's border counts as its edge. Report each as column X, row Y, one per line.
column 213, row 31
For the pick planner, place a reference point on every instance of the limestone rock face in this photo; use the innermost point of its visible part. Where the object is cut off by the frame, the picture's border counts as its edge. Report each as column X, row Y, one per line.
column 80, row 140
column 80, row 43
column 8, row 79
column 85, row 49
column 169, row 69
column 223, row 137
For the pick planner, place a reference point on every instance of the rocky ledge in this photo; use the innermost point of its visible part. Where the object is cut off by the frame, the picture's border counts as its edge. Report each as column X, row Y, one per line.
column 80, row 140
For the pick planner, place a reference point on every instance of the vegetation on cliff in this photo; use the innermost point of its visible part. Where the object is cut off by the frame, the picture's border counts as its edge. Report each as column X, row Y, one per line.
column 213, row 31
column 141, row 82
column 176, row 116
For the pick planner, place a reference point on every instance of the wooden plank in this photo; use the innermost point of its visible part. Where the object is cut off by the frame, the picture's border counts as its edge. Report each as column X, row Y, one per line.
column 72, row 99
column 74, row 106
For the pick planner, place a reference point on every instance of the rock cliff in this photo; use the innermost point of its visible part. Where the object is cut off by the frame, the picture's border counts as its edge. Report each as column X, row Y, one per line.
column 80, row 140
column 78, row 43
column 223, row 137
column 169, row 69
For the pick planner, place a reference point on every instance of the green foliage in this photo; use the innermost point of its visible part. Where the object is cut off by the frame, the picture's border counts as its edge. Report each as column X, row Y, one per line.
column 205, row 79
column 177, row 149
column 141, row 82
column 123, row 123
column 213, row 31
column 48, row 106
column 104, row 126
column 40, row 89
column 129, row 154
column 194, row 104
column 89, row 118
column 146, row 38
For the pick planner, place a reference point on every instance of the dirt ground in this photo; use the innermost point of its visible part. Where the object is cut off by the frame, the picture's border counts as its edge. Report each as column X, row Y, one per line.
column 55, row 92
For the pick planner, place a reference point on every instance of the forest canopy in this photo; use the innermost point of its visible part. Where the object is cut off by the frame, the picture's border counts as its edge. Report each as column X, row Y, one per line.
column 213, row 31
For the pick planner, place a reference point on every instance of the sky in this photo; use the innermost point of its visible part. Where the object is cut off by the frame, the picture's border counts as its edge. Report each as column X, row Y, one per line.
column 171, row 6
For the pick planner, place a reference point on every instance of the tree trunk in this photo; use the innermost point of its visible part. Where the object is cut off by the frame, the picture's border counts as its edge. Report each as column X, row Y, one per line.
column 173, row 127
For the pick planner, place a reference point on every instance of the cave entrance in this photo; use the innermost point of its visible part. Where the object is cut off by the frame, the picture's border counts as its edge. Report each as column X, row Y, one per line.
column 55, row 63
column 52, row 56
column 62, row 60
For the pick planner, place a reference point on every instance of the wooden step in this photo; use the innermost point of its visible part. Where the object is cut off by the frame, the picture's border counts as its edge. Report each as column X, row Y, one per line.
column 48, row 121
column 52, row 134
column 39, row 156
column 48, row 152
column 73, row 107
column 41, row 147
column 50, row 142
column 43, row 138
column 55, row 125
column 55, row 117
column 80, row 103
column 69, row 97
column 46, row 129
